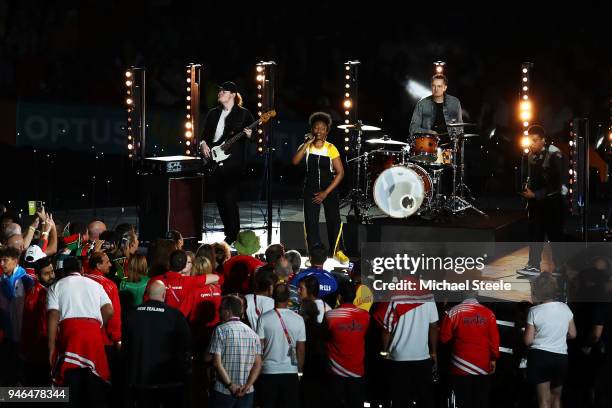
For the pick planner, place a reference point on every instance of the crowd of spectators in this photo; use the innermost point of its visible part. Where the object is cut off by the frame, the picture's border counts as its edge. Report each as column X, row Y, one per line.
column 124, row 324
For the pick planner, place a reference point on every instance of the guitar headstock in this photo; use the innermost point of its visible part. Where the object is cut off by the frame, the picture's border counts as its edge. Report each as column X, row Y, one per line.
column 266, row 116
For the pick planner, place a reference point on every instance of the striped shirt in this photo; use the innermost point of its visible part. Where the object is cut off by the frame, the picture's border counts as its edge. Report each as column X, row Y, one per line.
column 472, row 328
column 347, row 327
column 238, row 345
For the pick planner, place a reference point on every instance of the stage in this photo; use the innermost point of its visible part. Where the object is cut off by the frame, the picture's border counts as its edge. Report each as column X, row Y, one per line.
column 497, row 226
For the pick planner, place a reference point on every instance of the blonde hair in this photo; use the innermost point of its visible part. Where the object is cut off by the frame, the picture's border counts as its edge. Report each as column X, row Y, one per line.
column 137, row 268
column 127, row 239
column 208, row 251
column 201, row 266
column 238, row 99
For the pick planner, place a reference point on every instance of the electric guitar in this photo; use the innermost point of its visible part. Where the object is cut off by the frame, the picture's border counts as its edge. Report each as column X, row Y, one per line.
column 218, row 154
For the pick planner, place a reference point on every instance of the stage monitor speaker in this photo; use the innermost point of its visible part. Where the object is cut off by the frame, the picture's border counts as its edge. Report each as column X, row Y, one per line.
column 170, row 203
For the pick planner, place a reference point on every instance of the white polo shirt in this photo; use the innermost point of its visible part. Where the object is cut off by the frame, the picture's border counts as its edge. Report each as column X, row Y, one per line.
column 410, row 333
column 276, row 358
column 551, row 323
column 77, row 296
column 264, row 303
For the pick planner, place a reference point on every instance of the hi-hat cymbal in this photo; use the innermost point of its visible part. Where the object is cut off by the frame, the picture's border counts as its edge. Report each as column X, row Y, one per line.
column 460, row 124
column 386, row 141
column 358, row 126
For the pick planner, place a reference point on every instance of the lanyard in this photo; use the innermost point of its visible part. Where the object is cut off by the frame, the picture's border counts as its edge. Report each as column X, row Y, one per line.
column 284, row 327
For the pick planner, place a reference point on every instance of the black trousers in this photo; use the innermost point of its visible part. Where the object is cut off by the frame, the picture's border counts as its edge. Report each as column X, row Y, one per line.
column 224, row 186
column 411, row 381
column 279, row 390
column 545, row 221
column 162, row 396
column 346, row 392
column 86, row 389
column 471, row 390
column 331, row 207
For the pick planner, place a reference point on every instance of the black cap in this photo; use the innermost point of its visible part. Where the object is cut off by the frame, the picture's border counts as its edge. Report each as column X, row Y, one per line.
column 228, row 86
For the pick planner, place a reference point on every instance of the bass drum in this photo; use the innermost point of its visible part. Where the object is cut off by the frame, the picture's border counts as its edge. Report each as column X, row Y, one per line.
column 401, row 191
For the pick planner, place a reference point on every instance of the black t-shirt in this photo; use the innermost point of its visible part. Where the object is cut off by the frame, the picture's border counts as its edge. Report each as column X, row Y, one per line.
column 156, row 345
column 439, row 122
column 603, row 316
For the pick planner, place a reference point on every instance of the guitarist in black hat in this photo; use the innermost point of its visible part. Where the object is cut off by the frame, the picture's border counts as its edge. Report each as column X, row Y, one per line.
column 221, row 124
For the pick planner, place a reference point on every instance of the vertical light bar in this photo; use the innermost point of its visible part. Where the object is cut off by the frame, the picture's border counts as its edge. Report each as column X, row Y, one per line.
column 525, row 105
column 136, row 109
column 349, row 102
column 572, row 168
column 129, row 102
column 193, row 107
column 609, row 147
column 260, row 79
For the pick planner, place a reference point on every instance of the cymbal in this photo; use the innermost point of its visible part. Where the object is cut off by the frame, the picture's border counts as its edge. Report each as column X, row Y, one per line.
column 430, row 133
column 460, row 124
column 386, row 141
column 357, row 126
column 470, row 135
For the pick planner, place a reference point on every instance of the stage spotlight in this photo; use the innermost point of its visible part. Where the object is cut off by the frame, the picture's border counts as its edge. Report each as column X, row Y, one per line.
column 525, row 142
column 417, row 90
column 439, row 67
column 347, row 104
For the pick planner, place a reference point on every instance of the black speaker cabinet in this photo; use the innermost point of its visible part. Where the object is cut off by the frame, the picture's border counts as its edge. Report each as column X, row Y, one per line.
column 170, row 202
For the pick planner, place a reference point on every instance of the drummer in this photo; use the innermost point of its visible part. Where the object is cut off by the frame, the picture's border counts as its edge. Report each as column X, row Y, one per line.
column 434, row 112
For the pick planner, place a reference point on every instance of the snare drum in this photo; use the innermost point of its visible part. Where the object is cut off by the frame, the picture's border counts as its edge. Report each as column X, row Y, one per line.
column 380, row 160
column 402, row 191
column 424, row 148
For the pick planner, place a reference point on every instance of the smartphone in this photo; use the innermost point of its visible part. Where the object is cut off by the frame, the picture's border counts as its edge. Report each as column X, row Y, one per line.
column 35, row 206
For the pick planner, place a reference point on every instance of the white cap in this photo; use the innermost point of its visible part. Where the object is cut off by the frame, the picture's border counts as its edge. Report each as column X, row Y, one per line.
column 34, row 253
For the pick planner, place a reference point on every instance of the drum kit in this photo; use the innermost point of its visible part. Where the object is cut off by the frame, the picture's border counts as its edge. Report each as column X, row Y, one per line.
column 403, row 179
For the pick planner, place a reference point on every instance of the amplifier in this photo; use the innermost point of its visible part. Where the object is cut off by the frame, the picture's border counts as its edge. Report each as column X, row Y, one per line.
column 173, row 164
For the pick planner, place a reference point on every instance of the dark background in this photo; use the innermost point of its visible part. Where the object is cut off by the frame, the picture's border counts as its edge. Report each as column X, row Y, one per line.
column 76, row 52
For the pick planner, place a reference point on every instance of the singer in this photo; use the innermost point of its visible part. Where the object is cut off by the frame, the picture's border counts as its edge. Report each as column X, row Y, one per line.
column 324, row 172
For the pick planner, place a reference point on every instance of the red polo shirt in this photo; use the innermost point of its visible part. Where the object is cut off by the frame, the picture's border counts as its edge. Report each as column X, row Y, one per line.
column 178, row 286
column 237, row 273
column 34, row 345
column 347, row 327
column 112, row 333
